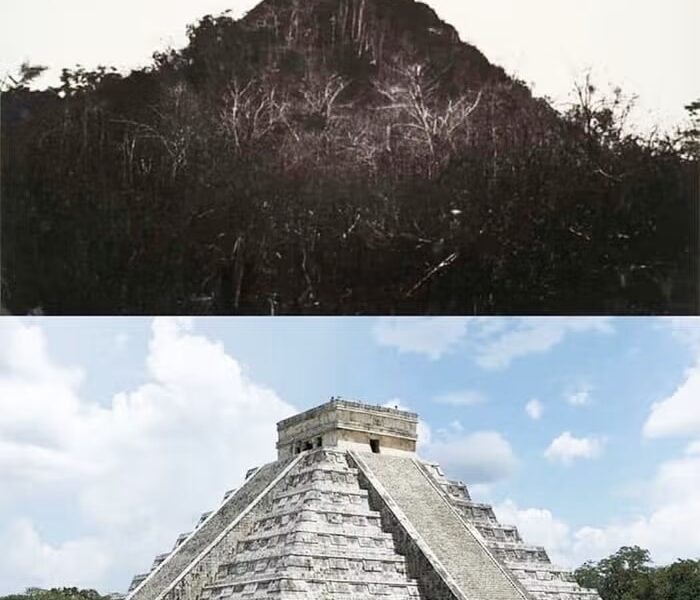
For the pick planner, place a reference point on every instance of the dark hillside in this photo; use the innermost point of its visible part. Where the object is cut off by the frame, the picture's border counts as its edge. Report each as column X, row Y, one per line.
column 335, row 156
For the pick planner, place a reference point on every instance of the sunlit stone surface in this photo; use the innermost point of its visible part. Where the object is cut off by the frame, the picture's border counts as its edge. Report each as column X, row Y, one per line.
column 349, row 512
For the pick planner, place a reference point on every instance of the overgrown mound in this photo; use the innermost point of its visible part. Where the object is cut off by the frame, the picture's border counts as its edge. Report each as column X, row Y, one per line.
column 335, row 156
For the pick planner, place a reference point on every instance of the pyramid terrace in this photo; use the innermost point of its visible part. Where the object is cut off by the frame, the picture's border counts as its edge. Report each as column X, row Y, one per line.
column 350, row 512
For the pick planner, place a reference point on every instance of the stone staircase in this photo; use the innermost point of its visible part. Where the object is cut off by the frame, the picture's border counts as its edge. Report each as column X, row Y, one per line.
column 318, row 539
column 530, row 565
column 428, row 512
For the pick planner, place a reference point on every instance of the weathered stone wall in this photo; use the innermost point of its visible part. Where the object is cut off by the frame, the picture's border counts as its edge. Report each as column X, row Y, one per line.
column 360, row 442
column 350, row 425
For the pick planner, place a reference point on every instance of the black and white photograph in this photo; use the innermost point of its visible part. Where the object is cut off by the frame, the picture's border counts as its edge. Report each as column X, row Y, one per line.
column 349, row 157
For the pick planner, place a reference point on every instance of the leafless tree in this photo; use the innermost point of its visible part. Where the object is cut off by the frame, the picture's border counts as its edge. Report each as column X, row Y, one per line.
column 602, row 115
column 173, row 129
column 253, row 111
column 434, row 122
column 321, row 95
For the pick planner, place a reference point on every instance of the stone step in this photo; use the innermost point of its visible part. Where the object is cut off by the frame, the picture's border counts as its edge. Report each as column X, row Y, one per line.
column 181, row 539
column 456, row 489
column 578, row 595
column 312, row 588
column 303, row 549
column 351, row 495
column 324, row 456
column 334, row 515
column 315, row 476
column 326, row 467
column 550, row 587
column 159, row 559
column 522, row 546
column 475, row 512
column 544, row 593
column 408, row 594
column 428, row 511
column 499, row 533
column 320, row 483
column 320, row 529
column 137, row 580
column 358, row 539
column 228, row 493
column 539, row 567
column 320, row 560
column 330, row 496
column 327, row 521
column 518, row 553
column 309, row 573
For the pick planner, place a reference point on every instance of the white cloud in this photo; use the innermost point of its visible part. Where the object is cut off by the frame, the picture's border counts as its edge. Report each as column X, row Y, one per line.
column 580, row 396
column 197, row 416
column 528, row 336
column 425, row 435
column 693, row 448
column 670, row 529
column 679, row 414
column 684, row 329
column 80, row 563
column 24, row 355
column 537, row 526
column 460, row 398
column 534, row 409
column 480, row 457
column 566, row 448
column 40, row 413
column 430, row 336
column 494, row 342
column 457, row 426
column 120, row 341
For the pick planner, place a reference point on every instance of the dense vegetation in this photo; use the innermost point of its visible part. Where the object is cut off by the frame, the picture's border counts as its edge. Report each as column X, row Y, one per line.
column 628, row 575
column 337, row 156
column 56, row 594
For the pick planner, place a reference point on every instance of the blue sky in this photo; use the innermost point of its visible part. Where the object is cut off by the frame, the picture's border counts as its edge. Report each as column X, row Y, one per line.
column 116, row 433
column 647, row 48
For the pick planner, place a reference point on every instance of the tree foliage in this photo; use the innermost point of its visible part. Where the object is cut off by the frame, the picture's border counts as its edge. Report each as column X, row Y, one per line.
column 26, row 74
column 629, row 575
column 65, row 593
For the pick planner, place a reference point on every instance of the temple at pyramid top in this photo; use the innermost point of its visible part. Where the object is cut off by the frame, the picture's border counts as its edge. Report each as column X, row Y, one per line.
column 349, row 511
column 348, row 425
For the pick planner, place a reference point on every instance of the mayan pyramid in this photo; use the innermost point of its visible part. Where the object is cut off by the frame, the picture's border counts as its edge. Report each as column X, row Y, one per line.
column 350, row 512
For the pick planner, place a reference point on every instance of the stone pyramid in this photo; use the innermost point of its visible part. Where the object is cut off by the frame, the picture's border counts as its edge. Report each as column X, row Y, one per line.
column 349, row 512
